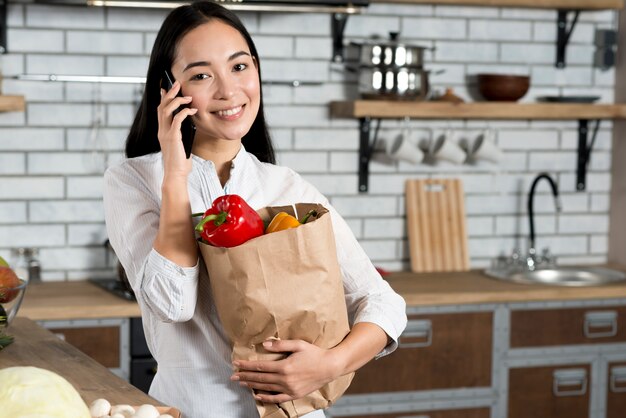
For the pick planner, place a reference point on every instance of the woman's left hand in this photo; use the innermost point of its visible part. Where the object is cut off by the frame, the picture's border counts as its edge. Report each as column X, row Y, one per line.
column 305, row 369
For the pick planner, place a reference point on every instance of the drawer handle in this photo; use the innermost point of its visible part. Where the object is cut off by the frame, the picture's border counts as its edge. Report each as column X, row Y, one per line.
column 569, row 382
column 600, row 324
column 618, row 379
column 418, row 333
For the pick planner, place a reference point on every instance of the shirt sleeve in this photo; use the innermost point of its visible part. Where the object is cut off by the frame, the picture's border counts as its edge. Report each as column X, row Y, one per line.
column 132, row 214
column 369, row 297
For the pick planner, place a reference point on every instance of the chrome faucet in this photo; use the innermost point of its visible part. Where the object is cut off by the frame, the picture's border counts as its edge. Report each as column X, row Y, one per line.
column 532, row 258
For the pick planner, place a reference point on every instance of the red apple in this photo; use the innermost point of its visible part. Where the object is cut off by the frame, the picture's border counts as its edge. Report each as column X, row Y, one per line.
column 8, row 280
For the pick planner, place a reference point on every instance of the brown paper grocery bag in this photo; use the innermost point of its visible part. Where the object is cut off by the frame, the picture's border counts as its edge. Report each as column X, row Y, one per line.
column 284, row 285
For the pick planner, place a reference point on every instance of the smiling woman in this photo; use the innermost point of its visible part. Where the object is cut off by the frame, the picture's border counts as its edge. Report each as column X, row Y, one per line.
column 149, row 199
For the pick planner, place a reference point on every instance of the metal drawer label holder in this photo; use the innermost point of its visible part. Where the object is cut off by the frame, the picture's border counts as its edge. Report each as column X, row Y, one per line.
column 569, row 382
column 618, row 379
column 420, row 330
column 600, row 324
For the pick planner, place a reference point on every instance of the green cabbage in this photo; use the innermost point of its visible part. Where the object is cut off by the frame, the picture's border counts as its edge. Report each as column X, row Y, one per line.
column 31, row 392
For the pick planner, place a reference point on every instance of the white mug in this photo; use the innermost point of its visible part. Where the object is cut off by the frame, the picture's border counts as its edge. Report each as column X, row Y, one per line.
column 402, row 148
column 485, row 148
column 445, row 148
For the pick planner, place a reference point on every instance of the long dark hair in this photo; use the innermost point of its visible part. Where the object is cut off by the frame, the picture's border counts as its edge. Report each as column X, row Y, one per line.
column 142, row 138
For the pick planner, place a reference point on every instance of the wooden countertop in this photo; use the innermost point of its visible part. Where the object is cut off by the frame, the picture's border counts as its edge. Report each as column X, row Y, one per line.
column 74, row 300
column 473, row 287
column 38, row 347
column 84, row 300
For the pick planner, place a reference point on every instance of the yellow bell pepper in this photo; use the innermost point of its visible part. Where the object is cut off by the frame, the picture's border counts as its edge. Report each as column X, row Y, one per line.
column 283, row 220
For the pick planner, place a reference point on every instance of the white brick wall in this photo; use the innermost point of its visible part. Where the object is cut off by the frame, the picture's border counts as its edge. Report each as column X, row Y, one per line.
column 52, row 156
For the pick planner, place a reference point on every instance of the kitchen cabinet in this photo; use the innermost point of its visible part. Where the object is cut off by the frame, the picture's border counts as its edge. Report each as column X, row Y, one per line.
column 465, row 338
column 616, row 390
column 553, row 391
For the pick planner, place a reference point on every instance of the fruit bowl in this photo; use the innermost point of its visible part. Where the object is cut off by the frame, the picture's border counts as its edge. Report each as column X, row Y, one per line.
column 503, row 87
column 10, row 301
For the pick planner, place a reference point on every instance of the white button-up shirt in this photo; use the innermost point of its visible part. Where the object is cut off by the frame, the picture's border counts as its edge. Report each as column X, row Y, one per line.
column 180, row 322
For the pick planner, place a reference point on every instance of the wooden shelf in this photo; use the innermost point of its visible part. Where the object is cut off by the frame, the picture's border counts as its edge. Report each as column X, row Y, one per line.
column 382, row 109
column 535, row 4
column 12, row 104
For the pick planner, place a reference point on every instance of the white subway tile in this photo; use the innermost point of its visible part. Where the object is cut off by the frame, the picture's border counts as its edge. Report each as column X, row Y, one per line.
column 600, row 161
column 32, row 235
column 73, row 258
column 344, row 162
column 309, row 162
column 519, row 225
column 12, row 163
column 15, row 15
column 99, row 140
column 30, row 139
column 599, row 244
column 388, row 184
column 526, row 53
column 546, row 32
column 309, row 47
column 326, row 139
column 84, row 187
column 528, row 14
column 490, row 247
column 563, row 245
column 34, row 90
column 393, row 228
column 12, row 119
column 573, row 202
column 319, row 94
column 552, row 161
column 356, row 226
column 396, row 9
column 380, row 250
column 136, row 19
column 276, row 94
column 333, row 185
column 500, row 30
column 12, row 64
column 569, row 76
column 527, row 140
column 365, row 206
column 583, row 223
column 59, row 115
column 582, row 260
column 569, row 138
column 64, row 64
column 133, row 66
column 296, row 116
column 495, row 204
column 600, row 202
column 64, row 17
column 65, row 163
column 31, row 187
column 287, row 24
column 12, row 212
column 466, row 51
column 91, row 42
column 33, row 40
column 282, row 139
column 78, row 211
column 370, row 26
column 87, row 234
column 595, row 182
column 274, row 46
column 299, row 70
column 460, row 11
column 433, row 28
column 120, row 115
column 604, row 78
column 479, row 226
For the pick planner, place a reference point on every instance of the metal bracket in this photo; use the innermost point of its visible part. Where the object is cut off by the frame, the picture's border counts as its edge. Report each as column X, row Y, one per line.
column 338, row 25
column 563, row 34
column 3, row 26
column 584, row 151
column 366, row 149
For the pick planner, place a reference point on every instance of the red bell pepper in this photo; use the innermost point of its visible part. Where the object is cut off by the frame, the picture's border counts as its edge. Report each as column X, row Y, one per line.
column 229, row 222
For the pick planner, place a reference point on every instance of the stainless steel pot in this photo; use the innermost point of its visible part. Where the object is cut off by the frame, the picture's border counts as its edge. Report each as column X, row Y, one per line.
column 394, row 83
column 390, row 53
column 392, row 70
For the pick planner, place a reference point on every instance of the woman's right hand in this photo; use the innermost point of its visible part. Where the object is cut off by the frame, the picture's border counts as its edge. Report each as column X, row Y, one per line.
column 175, row 162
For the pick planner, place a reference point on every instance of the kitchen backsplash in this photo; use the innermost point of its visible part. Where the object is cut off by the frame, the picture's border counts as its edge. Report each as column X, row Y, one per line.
column 53, row 155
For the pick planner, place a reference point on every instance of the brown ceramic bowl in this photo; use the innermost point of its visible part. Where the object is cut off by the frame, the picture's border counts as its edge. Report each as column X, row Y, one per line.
column 503, row 87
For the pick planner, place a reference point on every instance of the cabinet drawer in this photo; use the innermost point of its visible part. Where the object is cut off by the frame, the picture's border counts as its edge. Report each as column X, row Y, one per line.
column 616, row 393
column 439, row 351
column 549, row 392
column 550, row 327
column 100, row 343
column 446, row 413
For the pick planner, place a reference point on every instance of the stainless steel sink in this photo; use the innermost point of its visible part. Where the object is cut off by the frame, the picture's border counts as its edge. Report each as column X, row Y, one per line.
column 561, row 276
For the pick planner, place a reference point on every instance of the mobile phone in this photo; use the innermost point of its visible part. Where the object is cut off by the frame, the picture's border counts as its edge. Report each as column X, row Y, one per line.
column 187, row 128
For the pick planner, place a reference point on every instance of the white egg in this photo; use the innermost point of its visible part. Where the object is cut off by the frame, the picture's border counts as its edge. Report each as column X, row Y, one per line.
column 99, row 408
column 147, row 411
column 124, row 410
